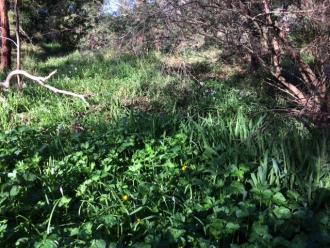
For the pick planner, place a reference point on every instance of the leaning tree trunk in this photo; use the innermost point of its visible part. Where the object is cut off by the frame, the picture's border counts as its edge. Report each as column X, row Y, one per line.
column 313, row 96
column 5, row 53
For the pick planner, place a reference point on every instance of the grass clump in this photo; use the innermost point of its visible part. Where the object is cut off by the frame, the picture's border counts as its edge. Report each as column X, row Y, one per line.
column 156, row 161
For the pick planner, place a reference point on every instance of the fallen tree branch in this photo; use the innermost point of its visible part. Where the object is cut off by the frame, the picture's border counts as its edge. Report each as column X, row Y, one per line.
column 42, row 82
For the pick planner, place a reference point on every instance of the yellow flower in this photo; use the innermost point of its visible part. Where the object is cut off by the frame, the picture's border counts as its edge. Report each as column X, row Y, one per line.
column 138, row 220
column 184, row 168
column 125, row 197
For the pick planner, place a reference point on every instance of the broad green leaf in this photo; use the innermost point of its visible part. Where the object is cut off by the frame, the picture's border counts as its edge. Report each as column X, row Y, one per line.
column 64, row 201
column 232, row 227
column 282, row 212
column 216, row 228
column 176, row 233
column 109, row 220
column 279, row 198
column 98, row 243
column 14, row 191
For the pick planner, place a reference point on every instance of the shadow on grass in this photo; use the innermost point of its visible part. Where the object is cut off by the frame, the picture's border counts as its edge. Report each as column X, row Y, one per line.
column 101, row 156
column 51, row 50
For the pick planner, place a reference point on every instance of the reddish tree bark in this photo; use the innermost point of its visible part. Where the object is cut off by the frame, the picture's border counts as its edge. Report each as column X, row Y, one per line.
column 5, row 54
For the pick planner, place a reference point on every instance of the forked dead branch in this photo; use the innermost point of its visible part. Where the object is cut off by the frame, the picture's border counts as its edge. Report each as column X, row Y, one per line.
column 42, row 82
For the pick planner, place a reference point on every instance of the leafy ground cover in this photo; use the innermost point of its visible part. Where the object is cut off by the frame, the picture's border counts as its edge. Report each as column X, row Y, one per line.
column 157, row 160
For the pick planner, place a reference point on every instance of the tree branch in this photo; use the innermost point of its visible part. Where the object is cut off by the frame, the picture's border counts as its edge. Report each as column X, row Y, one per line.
column 42, row 82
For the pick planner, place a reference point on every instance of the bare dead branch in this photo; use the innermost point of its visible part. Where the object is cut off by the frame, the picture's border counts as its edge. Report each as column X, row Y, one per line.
column 42, row 82
column 11, row 40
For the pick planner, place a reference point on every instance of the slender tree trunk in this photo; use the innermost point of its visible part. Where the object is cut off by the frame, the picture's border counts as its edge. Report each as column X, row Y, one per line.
column 18, row 42
column 5, row 54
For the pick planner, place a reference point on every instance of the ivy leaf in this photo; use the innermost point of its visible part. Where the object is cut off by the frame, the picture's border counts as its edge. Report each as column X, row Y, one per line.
column 216, row 227
column 64, row 202
column 88, row 228
column 260, row 231
column 14, row 191
column 74, row 231
column 232, row 227
column 176, row 233
column 13, row 174
column 109, row 220
column 282, row 212
column 135, row 167
column 47, row 243
column 3, row 228
column 279, row 198
column 98, row 243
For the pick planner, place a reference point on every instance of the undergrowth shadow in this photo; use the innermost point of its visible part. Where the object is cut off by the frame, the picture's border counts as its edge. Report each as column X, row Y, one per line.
column 51, row 50
column 173, row 152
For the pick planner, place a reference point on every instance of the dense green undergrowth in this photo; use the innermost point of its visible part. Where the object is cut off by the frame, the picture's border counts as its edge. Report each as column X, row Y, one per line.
column 156, row 161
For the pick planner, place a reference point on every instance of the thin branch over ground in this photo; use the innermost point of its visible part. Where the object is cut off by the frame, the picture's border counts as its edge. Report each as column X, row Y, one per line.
column 42, row 82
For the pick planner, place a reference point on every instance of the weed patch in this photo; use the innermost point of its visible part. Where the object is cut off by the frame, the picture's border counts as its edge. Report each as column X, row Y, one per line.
column 149, row 166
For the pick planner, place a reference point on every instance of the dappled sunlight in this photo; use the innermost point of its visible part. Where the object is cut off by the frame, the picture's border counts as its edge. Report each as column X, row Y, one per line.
column 227, row 155
column 164, row 124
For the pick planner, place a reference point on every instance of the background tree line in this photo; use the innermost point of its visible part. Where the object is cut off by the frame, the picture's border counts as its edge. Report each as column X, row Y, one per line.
column 286, row 41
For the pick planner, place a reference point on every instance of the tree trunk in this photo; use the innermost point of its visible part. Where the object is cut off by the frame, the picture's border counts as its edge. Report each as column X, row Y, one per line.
column 313, row 97
column 18, row 48
column 5, row 54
